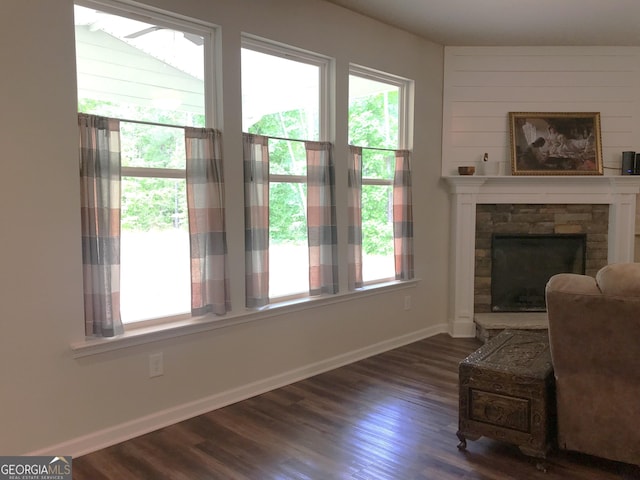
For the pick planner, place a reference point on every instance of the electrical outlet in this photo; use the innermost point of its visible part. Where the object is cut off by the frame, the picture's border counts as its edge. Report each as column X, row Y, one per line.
column 407, row 302
column 156, row 365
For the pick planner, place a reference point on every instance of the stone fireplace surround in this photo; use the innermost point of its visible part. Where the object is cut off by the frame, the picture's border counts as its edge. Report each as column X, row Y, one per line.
column 618, row 192
column 591, row 220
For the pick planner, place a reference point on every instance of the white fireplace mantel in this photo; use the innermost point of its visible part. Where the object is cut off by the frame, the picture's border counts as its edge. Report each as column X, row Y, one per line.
column 619, row 192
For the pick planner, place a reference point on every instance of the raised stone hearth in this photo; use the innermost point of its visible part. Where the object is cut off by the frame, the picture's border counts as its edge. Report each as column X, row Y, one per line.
column 488, row 325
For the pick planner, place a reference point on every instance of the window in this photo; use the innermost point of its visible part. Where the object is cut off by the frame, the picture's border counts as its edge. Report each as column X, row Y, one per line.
column 378, row 113
column 283, row 97
column 152, row 77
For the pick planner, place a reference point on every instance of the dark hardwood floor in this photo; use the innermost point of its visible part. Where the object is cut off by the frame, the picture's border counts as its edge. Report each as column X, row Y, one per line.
column 391, row 416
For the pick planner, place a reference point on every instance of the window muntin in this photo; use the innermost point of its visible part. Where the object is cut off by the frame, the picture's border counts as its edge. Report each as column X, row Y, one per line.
column 147, row 72
column 284, row 96
column 377, row 123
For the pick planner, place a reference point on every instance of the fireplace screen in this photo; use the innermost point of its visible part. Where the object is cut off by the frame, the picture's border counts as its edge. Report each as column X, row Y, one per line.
column 521, row 265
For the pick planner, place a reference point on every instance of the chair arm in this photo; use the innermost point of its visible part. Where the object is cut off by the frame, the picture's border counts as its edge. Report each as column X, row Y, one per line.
column 590, row 331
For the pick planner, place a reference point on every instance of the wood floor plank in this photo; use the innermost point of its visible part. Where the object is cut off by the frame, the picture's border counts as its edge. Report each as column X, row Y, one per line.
column 392, row 416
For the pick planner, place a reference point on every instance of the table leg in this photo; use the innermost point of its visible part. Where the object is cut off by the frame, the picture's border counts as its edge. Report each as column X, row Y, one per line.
column 463, row 441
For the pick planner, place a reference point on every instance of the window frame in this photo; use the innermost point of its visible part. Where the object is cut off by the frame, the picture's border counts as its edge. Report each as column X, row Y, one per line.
column 212, row 114
column 405, row 126
column 326, row 66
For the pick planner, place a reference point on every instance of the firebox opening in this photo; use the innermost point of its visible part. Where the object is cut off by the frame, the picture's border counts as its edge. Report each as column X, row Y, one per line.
column 521, row 265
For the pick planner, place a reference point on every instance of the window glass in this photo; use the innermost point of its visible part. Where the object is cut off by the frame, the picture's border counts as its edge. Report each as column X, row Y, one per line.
column 378, row 164
column 280, row 97
column 154, row 249
column 152, row 146
column 377, row 232
column 287, row 157
column 288, row 246
column 138, row 71
column 373, row 113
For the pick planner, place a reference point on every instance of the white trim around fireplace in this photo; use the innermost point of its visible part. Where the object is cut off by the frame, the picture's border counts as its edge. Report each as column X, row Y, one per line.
column 619, row 192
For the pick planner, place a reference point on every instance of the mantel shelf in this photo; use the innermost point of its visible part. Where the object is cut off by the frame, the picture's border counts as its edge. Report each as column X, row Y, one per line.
column 543, row 184
column 542, row 179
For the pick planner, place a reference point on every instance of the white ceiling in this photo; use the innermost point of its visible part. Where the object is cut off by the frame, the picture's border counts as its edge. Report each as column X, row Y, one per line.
column 510, row 22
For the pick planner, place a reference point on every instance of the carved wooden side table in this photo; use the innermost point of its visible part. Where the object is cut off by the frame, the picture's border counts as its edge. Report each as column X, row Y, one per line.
column 507, row 392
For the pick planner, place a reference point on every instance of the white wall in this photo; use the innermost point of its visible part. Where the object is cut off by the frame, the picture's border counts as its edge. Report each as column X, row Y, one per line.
column 483, row 84
column 53, row 402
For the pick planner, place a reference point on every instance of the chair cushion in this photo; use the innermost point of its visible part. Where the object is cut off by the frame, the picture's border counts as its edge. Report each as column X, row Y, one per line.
column 620, row 279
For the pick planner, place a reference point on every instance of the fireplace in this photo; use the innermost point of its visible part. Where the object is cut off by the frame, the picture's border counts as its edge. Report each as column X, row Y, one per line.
column 539, row 227
column 522, row 264
column 615, row 193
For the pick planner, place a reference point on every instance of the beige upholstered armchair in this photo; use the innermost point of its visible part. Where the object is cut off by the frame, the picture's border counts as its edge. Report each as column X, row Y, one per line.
column 594, row 331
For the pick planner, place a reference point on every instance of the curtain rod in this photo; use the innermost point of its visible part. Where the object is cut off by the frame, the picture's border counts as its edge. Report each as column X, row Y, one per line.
column 282, row 138
column 381, row 149
column 143, row 122
column 155, row 124
column 297, row 140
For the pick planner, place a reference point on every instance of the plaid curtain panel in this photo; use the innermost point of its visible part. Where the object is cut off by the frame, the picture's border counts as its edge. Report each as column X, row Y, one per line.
column 403, row 217
column 256, row 218
column 100, row 217
column 321, row 219
column 354, row 203
column 207, row 235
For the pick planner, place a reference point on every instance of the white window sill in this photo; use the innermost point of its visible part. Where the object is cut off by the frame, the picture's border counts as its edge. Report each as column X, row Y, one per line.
column 140, row 336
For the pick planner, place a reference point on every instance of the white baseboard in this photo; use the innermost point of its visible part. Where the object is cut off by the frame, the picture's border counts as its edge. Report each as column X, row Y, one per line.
column 118, row 433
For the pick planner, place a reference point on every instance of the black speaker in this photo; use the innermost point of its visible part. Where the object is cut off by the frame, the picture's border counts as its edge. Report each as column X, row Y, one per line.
column 629, row 163
column 636, row 165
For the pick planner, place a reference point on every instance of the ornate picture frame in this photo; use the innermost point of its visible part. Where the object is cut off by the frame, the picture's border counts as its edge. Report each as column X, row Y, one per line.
column 567, row 143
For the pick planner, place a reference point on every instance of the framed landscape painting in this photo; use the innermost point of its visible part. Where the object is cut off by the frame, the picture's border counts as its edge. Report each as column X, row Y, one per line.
column 555, row 143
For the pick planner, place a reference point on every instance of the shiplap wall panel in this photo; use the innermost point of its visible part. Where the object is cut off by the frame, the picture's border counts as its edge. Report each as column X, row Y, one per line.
column 481, row 139
column 517, row 93
column 527, row 59
column 499, row 108
column 544, row 79
column 483, row 84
